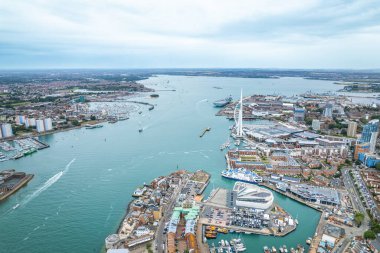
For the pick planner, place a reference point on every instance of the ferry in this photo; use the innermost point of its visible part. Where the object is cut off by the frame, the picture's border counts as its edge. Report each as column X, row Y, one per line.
column 88, row 126
column 223, row 102
column 121, row 118
column 242, row 175
column 30, row 151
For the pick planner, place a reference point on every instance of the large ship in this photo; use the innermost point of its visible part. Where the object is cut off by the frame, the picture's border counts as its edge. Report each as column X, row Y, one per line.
column 242, row 175
column 223, row 102
column 89, row 126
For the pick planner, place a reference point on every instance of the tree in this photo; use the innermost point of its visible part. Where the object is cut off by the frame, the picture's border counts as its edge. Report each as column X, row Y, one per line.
column 378, row 166
column 369, row 234
column 93, row 117
column 358, row 218
column 375, row 227
column 75, row 122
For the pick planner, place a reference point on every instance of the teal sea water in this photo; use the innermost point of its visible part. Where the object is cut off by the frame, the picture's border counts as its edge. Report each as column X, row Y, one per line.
column 84, row 181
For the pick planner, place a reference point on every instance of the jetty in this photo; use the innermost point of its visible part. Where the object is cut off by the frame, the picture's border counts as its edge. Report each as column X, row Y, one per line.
column 204, row 132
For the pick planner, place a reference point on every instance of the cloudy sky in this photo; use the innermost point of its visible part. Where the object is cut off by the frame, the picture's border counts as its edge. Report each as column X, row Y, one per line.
column 189, row 33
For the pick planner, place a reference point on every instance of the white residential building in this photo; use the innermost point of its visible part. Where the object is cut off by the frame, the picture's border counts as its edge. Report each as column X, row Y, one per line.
column 316, row 124
column 352, row 127
column 40, row 126
column 48, row 124
column 6, row 130
column 32, row 122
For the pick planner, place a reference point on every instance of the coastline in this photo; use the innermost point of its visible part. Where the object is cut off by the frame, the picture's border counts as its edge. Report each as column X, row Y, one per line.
column 22, row 183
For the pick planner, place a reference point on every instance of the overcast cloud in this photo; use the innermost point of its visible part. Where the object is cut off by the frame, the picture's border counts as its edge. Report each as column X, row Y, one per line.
column 189, row 33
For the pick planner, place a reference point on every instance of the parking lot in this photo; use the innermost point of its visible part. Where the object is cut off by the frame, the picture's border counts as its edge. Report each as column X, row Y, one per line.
column 217, row 216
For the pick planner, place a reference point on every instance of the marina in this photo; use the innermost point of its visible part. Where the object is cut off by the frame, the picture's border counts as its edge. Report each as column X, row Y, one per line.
column 18, row 148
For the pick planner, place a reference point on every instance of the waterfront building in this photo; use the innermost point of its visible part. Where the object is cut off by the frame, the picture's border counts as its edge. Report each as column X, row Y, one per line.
column 368, row 129
column 142, row 230
column 352, row 127
column 299, row 114
column 316, row 124
column 48, row 125
column 328, row 111
column 40, row 126
column 318, row 195
column 361, row 148
column 112, row 241
column 6, row 130
column 252, row 196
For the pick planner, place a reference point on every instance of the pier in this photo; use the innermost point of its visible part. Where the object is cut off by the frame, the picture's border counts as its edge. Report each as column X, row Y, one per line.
column 204, row 132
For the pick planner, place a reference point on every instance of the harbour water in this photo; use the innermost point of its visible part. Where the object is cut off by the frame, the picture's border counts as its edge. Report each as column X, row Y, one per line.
column 84, row 181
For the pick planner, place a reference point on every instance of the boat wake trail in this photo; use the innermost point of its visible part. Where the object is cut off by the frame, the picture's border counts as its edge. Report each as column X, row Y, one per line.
column 47, row 184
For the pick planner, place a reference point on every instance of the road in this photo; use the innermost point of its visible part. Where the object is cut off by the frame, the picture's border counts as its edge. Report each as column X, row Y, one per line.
column 159, row 242
column 358, row 205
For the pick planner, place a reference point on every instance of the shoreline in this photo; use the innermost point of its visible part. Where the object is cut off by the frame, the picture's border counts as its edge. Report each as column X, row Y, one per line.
column 22, row 183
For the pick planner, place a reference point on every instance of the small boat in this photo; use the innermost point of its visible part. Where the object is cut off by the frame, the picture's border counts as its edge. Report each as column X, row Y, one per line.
column 222, row 243
column 140, row 130
column 15, row 206
column 308, row 241
column 154, row 95
column 274, row 249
